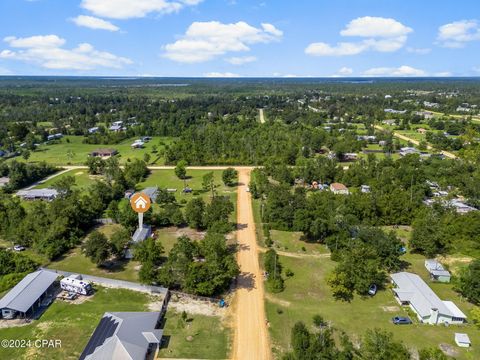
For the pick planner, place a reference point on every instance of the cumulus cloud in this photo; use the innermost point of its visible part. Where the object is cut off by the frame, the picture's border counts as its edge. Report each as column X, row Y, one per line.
column 240, row 60
column 221, row 75
column 126, row 9
column 47, row 51
column 345, row 71
column 458, row 33
column 403, row 70
column 380, row 34
column 95, row 23
column 204, row 41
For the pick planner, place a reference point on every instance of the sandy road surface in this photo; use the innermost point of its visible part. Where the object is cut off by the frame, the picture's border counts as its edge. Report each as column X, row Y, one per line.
column 261, row 115
column 251, row 335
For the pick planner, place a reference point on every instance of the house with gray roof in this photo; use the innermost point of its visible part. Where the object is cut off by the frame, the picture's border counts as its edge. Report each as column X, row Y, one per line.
column 437, row 271
column 38, row 194
column 26, row 297
column 152, row 192
column 124, row 336
column 142, row 233
column 412, row 291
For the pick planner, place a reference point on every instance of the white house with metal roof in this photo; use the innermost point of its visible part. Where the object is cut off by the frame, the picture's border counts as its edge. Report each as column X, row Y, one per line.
column 124, row 336
column 38, row 194
column 411, row 290
column 28, row 294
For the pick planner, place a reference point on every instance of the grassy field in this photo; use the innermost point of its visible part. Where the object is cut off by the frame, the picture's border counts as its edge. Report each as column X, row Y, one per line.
column 82, row 179
column 307, row 294
column 200, row 337
column 291, row 241
column 72, row 151
column 72, row 324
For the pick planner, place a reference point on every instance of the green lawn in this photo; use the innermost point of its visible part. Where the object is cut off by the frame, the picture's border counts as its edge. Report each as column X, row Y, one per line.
column 82, row 179
column 75, row 261
column 291, row 241
column 71, row 323
column 307, row 294
column 201, row 337
column 72, row 151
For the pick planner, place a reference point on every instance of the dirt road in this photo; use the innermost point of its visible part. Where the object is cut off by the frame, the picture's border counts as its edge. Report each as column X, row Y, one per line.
column 261, row 115
column 251, row 335
column 416, row 142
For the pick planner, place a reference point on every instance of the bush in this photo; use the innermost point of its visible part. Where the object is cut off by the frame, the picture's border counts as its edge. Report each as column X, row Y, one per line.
column 319, row 321
column 275, row 285
column 289, row 273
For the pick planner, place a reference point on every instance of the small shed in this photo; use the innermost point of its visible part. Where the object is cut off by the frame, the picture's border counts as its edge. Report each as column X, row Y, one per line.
column 142, row 233
column 462, row 340
column 437, row 271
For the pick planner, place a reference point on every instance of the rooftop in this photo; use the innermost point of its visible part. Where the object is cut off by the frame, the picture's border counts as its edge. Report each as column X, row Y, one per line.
column 123, row 335
column 26, row 292
column 411, row 288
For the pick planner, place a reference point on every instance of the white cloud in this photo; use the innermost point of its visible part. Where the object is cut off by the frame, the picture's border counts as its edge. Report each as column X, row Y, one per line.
column 458, row 33
column 476, row 69
column 205, row 41
column 380, row 34
column 341, row 49
column 220, row 75
column 420, row 51
column 403, row 70
column 47, row 51
column 240, row 60
column 126, row 9
column 95, row 23
column 373, row 27
column 345, row 71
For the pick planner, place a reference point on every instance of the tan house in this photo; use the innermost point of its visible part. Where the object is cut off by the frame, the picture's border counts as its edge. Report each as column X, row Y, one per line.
column 338, row 188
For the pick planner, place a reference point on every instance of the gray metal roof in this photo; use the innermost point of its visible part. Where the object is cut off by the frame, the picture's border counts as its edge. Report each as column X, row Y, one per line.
column 411, row 288
column 26, row 292
column 142, row 233
column 38, row 193
column 152, row 192
column 126, row 337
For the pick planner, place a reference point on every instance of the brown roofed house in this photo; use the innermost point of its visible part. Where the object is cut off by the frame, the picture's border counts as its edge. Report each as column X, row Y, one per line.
column 338, row 188
column 104, row 153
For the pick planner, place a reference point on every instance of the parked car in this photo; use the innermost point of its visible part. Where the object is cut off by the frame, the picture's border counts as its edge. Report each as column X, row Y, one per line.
column 401, row 320
column 372, row 290
column 19, row 248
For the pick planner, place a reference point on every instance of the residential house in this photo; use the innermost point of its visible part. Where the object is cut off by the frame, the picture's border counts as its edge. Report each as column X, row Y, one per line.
column 338, row 188
column 142, row 233
column 422, row 131
column 350, row 157
column 104, row 153
column 437, row 271
column 411, row 290
column 27, row 296
column 408, row 151
column 116, row 126
column 151, row 192
column 125, row 336
column 46, row 194
column 54, row 137
column 390, row 122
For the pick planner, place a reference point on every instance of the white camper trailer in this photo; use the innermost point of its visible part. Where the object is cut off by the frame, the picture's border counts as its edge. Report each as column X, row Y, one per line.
column 74, row 283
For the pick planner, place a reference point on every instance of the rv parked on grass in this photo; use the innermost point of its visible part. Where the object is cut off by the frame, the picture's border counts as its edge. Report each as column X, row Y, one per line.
column 74, row 283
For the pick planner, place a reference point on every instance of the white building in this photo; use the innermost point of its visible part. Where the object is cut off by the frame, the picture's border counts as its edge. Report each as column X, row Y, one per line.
column 437, row 271
column 462, row 340
column 75, row 283
column 411, row 290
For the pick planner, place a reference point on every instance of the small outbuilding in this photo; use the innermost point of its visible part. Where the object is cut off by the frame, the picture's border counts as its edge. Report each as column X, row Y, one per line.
column 462, row 340
column 338, row 188
column 437, row 271
column 142, row 233
column 4, row 181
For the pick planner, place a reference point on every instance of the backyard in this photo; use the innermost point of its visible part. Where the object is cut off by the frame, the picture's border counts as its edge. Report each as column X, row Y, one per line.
column 70, row 150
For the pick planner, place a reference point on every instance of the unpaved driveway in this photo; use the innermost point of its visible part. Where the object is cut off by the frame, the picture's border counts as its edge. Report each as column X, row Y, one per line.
column 251, row 335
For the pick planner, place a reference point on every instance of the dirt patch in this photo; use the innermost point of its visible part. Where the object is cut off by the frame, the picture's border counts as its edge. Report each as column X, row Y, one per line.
column 195, row 307
column 448, row 350
column 79, row 173
column 390, row 308
column 276, row 301
column 191, row 233
column 12, row 323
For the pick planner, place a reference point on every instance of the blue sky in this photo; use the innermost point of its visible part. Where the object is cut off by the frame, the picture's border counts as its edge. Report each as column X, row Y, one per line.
column 240, row 37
